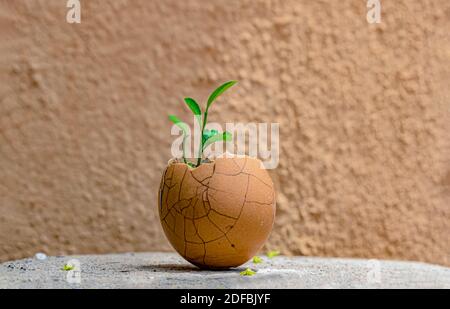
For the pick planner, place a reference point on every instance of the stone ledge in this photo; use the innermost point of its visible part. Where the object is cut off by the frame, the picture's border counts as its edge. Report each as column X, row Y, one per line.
column 168, row 270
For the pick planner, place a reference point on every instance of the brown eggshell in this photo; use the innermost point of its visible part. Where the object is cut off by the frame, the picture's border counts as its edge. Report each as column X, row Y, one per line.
column 219, row 214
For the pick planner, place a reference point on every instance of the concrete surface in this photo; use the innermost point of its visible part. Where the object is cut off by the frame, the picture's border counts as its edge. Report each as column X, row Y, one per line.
column 166, row 270
column 364, row 162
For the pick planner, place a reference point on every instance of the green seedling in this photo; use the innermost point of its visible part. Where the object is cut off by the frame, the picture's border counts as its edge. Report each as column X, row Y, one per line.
column 273, row 253
column 208, row 137
column 68, row 267
column 257, row 260
column 247, row 272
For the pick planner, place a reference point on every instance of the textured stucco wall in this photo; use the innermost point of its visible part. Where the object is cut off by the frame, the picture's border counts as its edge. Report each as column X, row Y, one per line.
column 363, row 109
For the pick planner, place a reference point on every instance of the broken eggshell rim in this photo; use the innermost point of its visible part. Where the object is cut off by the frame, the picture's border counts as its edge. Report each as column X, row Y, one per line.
column 226, row 156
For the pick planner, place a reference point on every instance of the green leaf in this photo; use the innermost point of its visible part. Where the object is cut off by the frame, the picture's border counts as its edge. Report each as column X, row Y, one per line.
column 273, row 253
column 208, row 134
column 224, row 137
column 68, row 267
column 183, row 126
column 219, row 91
column 195, row 108
column 193, row 105
column 247, row 272
column 257, row 260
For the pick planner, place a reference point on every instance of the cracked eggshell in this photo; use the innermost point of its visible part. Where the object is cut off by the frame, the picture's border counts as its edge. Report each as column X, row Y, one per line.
column 219, row 214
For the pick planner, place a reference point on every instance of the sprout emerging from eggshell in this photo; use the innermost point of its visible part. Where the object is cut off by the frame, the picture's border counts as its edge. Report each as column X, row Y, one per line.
column 208, row 137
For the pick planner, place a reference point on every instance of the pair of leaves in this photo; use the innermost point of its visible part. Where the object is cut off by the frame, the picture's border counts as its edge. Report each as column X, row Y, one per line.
column 195, row 108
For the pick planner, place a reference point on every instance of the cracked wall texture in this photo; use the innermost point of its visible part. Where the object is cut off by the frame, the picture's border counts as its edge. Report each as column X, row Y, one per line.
column 363, row 109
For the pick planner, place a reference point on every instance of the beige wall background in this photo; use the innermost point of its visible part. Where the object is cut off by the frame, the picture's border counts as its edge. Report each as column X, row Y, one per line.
column 364, row 114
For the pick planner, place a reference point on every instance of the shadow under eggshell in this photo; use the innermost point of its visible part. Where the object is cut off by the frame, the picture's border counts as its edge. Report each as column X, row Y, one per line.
column 219, row 214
